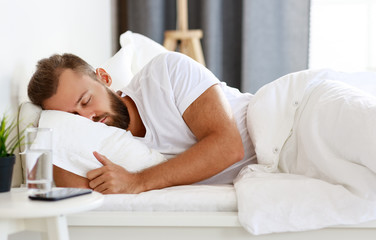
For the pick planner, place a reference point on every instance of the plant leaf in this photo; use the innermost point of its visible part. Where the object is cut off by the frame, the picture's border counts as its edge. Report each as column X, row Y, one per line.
column 9, row 144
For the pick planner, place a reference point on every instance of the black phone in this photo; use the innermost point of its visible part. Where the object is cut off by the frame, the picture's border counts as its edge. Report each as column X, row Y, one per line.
column 60, row 193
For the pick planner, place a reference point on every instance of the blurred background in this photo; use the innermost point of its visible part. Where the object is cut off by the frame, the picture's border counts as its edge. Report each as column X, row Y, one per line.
column 246, row 43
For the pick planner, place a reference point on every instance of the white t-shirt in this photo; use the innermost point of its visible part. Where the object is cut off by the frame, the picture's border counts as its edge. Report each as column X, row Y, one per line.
column 164, row 89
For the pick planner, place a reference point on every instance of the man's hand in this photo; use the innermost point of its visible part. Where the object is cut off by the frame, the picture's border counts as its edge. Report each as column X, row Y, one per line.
column 112, row 178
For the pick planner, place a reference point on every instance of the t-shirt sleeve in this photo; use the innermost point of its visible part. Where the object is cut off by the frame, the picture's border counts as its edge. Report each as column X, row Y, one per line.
column 187, row 78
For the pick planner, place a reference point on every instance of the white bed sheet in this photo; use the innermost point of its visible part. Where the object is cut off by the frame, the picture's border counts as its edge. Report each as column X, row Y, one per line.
column 207, row 198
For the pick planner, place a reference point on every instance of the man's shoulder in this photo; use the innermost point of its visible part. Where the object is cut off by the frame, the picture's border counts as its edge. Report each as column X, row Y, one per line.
column 159, row 66
column 170, row 57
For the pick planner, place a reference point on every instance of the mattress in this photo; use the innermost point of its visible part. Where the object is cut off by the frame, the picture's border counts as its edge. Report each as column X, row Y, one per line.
column 187, row 198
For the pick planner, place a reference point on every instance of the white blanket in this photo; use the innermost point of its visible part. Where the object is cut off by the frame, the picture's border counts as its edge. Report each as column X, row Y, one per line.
column 75, row 138
column 315, row 141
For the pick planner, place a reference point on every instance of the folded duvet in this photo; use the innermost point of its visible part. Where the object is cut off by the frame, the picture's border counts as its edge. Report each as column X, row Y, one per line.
column 315, row 139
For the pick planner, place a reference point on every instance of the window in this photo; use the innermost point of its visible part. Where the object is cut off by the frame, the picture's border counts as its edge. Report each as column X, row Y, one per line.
column 343, row 35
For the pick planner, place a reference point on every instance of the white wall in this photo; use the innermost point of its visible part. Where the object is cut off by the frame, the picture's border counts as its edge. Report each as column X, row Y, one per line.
column 343, row 35
column 35, row 29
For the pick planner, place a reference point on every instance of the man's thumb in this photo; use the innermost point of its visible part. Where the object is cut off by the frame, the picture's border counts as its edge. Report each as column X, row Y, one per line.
column 101, row 158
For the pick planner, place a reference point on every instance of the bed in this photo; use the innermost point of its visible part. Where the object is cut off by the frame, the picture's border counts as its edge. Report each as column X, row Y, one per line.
column 194, row 211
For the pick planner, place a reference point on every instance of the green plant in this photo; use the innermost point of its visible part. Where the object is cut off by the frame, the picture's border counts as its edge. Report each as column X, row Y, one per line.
column 8, row 143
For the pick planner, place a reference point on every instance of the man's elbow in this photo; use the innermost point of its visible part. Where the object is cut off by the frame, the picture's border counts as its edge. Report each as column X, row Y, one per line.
column 237, row 152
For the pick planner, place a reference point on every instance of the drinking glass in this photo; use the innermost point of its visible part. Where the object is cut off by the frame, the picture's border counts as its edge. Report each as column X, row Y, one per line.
column 38, row 157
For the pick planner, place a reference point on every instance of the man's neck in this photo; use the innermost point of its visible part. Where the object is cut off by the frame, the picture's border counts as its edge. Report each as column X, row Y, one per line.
column 136, row 126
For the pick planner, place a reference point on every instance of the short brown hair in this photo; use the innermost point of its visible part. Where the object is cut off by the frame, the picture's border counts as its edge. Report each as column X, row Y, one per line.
column 44, row 82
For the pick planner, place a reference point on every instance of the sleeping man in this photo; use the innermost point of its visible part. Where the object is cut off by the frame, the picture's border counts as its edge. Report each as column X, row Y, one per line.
column 173, row 105
column 306, row 123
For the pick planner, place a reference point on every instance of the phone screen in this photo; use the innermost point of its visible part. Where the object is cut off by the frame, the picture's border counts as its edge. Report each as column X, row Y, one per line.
column 59, row 194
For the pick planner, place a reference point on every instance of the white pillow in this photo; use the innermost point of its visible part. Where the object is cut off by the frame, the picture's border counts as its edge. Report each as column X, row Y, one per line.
column 363, row 80
column 119, row 67
column 144, row 47
column 136, row 51
column 75, row 138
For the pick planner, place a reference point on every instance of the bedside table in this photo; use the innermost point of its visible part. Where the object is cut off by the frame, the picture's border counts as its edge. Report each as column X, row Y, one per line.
column 19, row 213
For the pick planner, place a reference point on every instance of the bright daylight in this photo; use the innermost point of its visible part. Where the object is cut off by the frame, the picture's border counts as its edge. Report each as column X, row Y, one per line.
column 188, row 119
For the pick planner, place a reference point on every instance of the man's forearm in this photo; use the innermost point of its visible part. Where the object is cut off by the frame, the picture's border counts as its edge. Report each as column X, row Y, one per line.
column 208, row 157
column 64, row 178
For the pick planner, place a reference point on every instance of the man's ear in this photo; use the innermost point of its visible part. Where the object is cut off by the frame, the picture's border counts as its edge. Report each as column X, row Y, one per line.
column 103, row 76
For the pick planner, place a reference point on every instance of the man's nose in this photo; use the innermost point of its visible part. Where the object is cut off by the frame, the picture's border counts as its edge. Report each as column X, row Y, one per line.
column 87, row 113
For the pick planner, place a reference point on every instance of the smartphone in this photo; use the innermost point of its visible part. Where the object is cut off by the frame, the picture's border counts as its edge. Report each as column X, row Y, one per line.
column 59, row 194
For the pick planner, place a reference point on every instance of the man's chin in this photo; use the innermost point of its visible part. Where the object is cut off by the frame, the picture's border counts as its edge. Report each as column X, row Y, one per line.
column 114, row 124
column 120, row 118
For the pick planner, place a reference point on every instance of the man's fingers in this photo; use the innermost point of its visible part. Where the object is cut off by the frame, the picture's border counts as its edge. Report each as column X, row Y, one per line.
column 99, row 171
column 102, row 188
column 102, row 159
column 94, row 173
column 95, row 181
column 112, row 178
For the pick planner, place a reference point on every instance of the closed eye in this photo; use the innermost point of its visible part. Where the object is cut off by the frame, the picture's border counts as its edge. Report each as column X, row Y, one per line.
column 86, row 102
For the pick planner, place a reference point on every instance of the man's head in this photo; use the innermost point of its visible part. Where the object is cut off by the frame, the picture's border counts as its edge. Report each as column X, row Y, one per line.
column 67, row 83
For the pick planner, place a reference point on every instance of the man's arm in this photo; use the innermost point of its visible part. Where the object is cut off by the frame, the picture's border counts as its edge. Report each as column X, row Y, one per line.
column 219, row 146
column 64, row 178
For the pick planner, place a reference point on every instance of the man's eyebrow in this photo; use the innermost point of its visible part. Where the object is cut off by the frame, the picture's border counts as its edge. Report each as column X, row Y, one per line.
column 82, row 95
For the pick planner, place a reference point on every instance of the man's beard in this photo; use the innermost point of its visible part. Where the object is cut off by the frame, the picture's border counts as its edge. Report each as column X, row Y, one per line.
column 120, row 118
